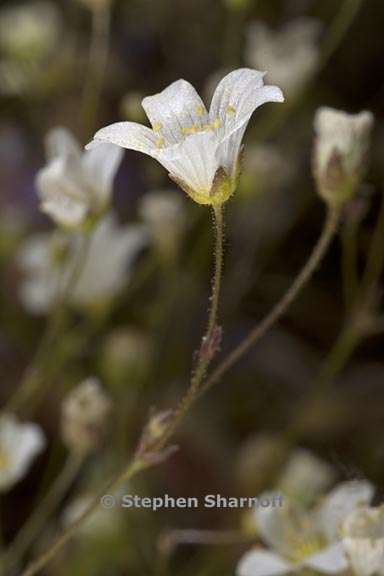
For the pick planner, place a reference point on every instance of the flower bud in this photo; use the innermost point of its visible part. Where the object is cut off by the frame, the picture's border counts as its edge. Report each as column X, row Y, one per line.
column 340, row 153
column 84, row 415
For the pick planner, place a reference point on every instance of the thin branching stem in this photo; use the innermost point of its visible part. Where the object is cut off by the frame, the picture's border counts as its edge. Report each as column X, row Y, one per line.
column 137, row 463
column 329, row 230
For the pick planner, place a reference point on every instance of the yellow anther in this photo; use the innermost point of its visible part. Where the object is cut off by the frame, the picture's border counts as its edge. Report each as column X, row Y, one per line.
column 216, row 124
column 191, row 129
column 160, row 142
column 231, row 110
column 200, row 111
column 157, row 126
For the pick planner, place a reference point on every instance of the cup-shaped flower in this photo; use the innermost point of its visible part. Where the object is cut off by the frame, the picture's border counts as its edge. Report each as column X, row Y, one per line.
column 299, row 539
column 47, row 261
column 340, row 152
column 20, row 443
column 363, row 541
column 199, row 148
column 75, row 186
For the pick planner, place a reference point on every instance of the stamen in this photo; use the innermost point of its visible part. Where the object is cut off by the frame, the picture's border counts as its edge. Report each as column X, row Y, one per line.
column 160, row 142
column 200, row 111
column 157, row 126
column 231, row 110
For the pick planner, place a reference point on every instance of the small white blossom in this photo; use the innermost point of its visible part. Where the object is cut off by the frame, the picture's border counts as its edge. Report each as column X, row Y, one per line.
column 306, row 476
column 299, row 538
column 41, row 259
column 363, row 540
column 20, row 443
column 76, row 185
column 109, row 264
column 341, row 147
column 200, row 149
column 44, row 260
column 290, row 54
column 84, row 415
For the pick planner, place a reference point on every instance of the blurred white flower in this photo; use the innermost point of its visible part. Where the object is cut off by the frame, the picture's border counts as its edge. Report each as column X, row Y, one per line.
column 44, row 260
column 41, row 259
column 200, row 149
column 340, row 153
column 163, row 211
column 108, row 267
column 299, row 538
column 20, row 443
column 305, row 477
column 29, row 30
column 76, row 185
column 84, row 416
column 290, row 54
column 363, row 540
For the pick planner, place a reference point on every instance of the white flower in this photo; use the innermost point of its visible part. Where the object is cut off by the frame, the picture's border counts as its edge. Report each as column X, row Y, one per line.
column 41, row 259
column 363, row 540
column 84, row 415
column 305, row 477
column 341, row 147
column 44, row 260
column 108, row 266
column 20, row 443
column 76, row 185
column 290, row 54
column 200, row 149
column 30, row 29
column 300, row 539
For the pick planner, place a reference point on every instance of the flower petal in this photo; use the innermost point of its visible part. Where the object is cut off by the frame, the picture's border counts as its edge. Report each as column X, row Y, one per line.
column 60, row 192
column 235, row 99
column 128, row 135
column 262, row 563
column 194, row 161
column 60, row 142
column 175, row 110
column 332, row 560
column 100, row 166
column 274, row 523
column 340, row 502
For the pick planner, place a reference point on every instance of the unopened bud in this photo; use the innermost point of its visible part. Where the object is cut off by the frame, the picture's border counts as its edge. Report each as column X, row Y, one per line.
column 340, row 153
column 85, row 413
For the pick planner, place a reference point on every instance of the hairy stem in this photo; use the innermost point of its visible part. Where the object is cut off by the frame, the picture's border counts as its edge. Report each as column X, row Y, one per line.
column 210, row 340
column 329, row 230
column 138, row 464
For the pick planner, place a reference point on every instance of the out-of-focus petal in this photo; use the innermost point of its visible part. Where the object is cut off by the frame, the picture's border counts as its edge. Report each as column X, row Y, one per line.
column 262, row 563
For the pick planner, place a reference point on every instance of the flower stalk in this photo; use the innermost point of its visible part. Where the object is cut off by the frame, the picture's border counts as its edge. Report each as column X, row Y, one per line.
column 140, row 460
